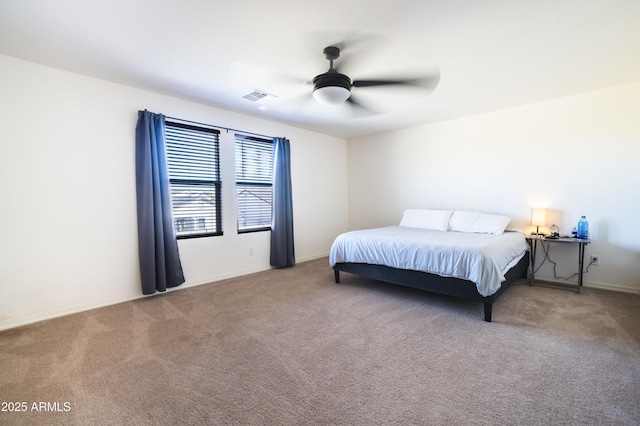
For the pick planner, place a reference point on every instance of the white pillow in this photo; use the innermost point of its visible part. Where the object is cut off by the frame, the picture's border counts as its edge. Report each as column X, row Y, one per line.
column 437, row 220
column 481, row 223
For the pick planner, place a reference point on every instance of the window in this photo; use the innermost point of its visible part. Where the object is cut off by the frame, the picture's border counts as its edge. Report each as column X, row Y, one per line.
column 194, row 177
column 254, row 164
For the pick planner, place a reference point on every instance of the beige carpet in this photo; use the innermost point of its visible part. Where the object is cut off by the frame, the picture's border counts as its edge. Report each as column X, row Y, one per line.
column 290, row 347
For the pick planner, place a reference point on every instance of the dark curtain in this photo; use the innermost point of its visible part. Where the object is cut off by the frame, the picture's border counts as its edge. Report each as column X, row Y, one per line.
column 282, row 251
column 160, row 266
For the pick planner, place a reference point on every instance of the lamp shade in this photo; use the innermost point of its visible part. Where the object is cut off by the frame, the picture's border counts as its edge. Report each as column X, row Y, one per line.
column 331, row 95
column 538, row 217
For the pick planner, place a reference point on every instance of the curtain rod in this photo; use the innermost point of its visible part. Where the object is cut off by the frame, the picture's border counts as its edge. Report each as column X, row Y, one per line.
column 220, row 127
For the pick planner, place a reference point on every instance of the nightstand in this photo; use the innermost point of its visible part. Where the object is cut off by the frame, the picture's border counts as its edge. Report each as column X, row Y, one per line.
column 533, row 245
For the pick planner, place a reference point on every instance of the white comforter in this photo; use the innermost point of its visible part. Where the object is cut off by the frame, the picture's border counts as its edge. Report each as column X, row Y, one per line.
column 480, row 258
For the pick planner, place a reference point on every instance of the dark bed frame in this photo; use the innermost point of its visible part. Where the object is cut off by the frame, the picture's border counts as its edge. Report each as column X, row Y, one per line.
column 435, row 283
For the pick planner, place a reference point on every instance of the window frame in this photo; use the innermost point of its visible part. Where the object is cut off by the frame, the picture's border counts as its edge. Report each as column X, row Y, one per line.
column 239, row 138
column 215, row 182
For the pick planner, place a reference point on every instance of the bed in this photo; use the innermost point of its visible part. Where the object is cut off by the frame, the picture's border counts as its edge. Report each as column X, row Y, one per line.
column 469, row 255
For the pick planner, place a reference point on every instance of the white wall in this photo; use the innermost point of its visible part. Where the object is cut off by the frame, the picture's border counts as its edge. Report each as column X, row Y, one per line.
column 67, row 184
column 576, row 155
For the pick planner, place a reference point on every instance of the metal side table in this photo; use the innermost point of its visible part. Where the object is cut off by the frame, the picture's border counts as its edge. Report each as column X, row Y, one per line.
column 533, row 245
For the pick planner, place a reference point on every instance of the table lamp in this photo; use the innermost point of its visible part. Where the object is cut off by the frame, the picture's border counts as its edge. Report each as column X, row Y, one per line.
column 538, row 219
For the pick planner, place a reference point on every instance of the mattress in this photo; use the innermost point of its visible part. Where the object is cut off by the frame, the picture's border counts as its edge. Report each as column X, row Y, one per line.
column 480, row 258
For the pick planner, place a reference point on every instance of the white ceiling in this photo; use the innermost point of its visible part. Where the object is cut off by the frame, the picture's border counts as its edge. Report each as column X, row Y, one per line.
column 490, row 54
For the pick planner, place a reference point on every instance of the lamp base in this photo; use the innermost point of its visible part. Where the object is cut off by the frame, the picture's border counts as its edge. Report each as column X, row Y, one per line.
column 541, row 234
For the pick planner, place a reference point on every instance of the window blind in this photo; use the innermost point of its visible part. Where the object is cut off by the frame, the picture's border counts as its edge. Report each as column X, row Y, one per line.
column 193, row 159
column 254, row 170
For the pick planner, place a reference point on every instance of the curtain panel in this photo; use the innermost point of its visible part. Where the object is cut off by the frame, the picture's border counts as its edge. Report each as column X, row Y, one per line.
column 282, row 247
column 160, row 266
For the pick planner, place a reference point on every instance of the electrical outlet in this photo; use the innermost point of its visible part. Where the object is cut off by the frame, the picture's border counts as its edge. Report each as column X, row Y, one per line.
column 594, row 260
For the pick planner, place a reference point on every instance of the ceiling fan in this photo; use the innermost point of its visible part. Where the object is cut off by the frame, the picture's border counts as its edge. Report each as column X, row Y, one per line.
column 334, row 88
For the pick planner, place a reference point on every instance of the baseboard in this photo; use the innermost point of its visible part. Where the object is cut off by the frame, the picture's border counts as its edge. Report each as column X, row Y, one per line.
column 600, row 286
column 44, row 316
column 313, row 257
column 244, row 272
column 56, row 313
column 613, row 287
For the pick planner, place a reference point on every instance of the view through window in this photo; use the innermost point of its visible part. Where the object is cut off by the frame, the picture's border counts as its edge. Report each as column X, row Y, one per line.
column 194, row 175
column 254, row 170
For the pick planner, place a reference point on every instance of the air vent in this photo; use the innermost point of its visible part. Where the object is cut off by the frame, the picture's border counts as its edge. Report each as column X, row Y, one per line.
column 257, row 96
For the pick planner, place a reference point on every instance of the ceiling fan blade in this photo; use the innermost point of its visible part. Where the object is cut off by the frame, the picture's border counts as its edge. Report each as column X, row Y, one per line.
column 339, row 65
column 352, row 44
column 425, row 82
column 242, row 74
column 359, row 108
column 369, row 83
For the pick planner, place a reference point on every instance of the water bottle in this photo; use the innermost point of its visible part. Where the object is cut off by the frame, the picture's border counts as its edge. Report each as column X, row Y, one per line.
column 583, row 228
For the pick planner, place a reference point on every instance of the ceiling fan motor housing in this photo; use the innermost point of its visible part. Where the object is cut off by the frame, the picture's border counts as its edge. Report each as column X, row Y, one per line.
column 331, row 79
column 331, row 88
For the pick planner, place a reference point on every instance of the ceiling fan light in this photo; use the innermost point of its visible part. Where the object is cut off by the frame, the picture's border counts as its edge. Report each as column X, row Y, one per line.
column 331, row 95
